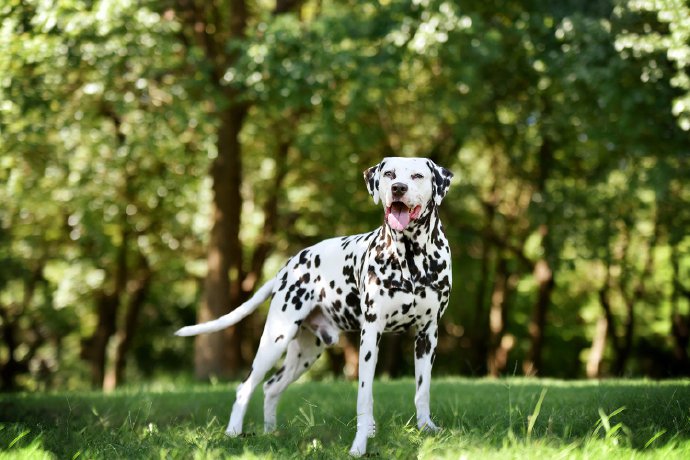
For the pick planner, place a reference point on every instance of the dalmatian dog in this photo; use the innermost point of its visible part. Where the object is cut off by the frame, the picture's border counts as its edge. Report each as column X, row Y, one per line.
column 388, row 280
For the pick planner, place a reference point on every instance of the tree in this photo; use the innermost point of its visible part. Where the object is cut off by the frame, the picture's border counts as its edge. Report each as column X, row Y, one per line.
column 88, row 159
column 216, row 31
column 671, row 36
column 143, row 143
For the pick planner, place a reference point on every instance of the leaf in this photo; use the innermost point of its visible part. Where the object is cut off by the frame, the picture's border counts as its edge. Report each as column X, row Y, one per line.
column 18, row 438
column 535, row 413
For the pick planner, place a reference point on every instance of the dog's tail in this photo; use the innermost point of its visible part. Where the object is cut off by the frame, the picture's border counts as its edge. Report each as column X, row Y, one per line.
column 234, row 317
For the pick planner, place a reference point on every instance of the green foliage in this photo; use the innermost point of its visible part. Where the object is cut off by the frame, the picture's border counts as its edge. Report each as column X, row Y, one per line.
column 565, row 125
column 88, row 162
column 513, row 418
column 669, row 34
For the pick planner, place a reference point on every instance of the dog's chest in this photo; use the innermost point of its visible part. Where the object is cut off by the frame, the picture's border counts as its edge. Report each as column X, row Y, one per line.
column 357, row 280
column 404, row 309
column 404, row 288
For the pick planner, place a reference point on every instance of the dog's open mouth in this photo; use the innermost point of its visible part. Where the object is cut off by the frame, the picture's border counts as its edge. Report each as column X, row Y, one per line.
column 398, row 215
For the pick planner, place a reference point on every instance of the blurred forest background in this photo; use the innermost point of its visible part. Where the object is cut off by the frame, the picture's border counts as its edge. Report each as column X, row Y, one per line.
column 159, row 158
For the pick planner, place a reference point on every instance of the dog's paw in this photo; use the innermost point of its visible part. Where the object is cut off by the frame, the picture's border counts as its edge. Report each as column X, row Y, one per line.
column 359, row 446
column 427, row 426
column 232, row 433
column 355, row 452
column 269, row 428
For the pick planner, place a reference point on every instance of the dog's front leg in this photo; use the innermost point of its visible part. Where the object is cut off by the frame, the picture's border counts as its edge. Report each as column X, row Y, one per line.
column 424, row 353
column 368, row 355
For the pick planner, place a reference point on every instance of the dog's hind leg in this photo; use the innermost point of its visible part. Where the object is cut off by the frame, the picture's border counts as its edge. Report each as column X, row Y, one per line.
column 302, row 352
column 274, row 341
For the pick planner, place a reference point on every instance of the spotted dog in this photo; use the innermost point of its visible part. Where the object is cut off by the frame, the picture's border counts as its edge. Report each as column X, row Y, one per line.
column 388, row 280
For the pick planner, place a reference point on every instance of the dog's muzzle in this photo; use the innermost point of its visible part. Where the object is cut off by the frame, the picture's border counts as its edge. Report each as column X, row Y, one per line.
column 399, row 215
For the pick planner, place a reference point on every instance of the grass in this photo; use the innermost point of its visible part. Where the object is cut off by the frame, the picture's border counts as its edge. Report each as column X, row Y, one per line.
column 502, row 419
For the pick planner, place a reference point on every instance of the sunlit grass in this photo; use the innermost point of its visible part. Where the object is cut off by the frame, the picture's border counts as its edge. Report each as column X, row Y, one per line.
column 513, row 418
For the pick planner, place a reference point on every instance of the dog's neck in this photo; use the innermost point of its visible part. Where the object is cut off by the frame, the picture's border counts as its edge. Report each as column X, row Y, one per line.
column 414, row 245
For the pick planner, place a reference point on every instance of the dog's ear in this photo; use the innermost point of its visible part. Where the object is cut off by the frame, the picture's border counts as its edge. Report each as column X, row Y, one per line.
column 371, row 177
column 440, row 182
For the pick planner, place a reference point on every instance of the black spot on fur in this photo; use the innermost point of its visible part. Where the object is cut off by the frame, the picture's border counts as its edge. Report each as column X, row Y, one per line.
column 352, row 299
column 337, row 305
column 304, row 256
column 422, row 346
column 349, row 273
column 283, row 282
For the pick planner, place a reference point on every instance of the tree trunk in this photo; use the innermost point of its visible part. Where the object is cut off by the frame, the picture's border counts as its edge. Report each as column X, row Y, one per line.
column 680, row 323
column 344, row 358
column 624, row 349
column 270, row 211
column 10, row 368
column 596, row 353
column 499, row 344
column 543, row 272
column 607, row 323
column 351, row 353
column 391, row 355
column 10, row 331
column 546, row 283
column 94, row 349
column 680, row 329
column 115, row 376
column 219, row 354
column 479, row 334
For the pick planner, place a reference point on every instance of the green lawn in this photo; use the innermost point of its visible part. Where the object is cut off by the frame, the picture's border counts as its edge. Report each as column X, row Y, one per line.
column 513, row 418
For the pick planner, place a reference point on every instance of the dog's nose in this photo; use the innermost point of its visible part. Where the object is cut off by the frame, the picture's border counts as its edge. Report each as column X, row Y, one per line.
column 398, row 189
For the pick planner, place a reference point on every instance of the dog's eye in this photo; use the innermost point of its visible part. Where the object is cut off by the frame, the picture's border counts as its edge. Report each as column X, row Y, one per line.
column 417, row 176
column 389, row 174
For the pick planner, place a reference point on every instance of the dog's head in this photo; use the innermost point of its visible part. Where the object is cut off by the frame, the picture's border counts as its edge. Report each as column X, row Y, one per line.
column 407, row 187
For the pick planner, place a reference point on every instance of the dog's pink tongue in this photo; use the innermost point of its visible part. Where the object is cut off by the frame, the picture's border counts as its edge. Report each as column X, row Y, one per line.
column 399, row 217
